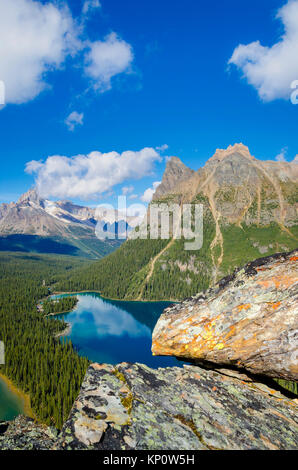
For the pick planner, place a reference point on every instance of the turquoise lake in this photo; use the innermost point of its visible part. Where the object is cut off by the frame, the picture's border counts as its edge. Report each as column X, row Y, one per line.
column 113, row 331
column 10, row 404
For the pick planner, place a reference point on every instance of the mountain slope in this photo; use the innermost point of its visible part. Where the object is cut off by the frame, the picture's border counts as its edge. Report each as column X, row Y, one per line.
column 250, row 209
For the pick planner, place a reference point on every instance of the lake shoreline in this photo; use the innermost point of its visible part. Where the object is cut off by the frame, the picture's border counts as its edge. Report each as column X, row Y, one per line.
column 112, row 332
column 65, row 332
column 20, row 394
column 58, row 313
column 111, row 298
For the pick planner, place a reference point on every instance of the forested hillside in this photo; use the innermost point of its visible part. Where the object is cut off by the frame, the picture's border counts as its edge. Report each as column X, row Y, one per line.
column 49, row 371
column 129, row 274
column 113, row 276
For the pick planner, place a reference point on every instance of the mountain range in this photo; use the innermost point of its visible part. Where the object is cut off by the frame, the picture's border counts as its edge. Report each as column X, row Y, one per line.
column 250, row 210
column 36, row 224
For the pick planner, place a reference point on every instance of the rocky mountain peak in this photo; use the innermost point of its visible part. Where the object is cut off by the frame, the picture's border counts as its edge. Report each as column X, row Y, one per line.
column 30, row 196
column 175, row 172
column 176, row 169
column 239, row 149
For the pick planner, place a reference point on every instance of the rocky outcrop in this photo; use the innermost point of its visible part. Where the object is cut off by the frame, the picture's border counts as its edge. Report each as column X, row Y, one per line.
column 249, row 320
column 134, row 407
column 24, row 434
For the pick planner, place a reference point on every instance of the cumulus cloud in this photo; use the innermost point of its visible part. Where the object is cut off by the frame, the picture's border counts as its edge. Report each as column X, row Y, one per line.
column 73, row 120
column 148, row 194
column 106, row 59
column 295, row 159
column 271, row 70
column 35, row 38
column 87, row 176
column 281, row 157
column 34, row 166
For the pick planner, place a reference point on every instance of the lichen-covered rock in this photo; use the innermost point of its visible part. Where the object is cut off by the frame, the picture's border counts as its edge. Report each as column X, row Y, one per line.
column 24, row 434
column 249, row 320
column 131, row 406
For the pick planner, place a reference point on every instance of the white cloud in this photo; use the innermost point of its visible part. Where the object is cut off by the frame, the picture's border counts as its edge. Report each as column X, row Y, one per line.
column 74, row 119
column 35, row 38
column 271, row 70
column 148, row 194
column 34, row 166
column 87, row 176
column 295, row 159
column 281, row 157
column 106, row 59
column 90, row 5
column 162, row 148
column 109, row 320
column 127, row 190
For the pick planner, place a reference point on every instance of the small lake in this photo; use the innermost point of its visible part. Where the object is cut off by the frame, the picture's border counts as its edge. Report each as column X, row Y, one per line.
column 10, row 404
column 108, row 331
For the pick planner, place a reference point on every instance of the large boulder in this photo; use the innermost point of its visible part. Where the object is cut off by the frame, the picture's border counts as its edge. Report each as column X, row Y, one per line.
column 130, row 406
column 249, row 321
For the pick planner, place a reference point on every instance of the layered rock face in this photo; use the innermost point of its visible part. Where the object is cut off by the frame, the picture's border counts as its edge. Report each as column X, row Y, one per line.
column 249, row 320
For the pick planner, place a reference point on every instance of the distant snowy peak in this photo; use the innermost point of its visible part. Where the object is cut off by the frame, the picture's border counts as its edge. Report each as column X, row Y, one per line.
column 32, row 214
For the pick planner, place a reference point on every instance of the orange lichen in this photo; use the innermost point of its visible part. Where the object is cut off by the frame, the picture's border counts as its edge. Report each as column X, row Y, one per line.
column 244, row 307
column 275, row 305
column 278, row 282
column 231, row 332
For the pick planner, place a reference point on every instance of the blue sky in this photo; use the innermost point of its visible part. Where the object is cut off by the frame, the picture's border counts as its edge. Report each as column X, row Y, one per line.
column 170, row 84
